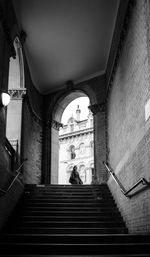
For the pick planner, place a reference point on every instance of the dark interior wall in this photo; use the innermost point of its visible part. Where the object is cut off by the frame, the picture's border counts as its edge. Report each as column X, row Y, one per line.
column 31, row 144
column 8, row 201
column 128, row 131
column 32, row 128
column 35, row 98
column 4, row 64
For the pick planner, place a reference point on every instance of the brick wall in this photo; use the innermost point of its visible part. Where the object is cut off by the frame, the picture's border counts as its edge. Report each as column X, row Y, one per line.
column 31, row 145
column 128, row 133
column 100, row 146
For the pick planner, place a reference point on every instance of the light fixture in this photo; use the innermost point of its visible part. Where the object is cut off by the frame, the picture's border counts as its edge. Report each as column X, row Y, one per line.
column 4, row 99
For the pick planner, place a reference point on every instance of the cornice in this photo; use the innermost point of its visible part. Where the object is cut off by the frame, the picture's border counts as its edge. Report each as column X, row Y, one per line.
column 17, row 94
column 95, row 108
column 35, row 117
column 77, row 133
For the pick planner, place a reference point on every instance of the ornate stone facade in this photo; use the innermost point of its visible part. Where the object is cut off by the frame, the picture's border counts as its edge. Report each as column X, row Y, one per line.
column 76, row 147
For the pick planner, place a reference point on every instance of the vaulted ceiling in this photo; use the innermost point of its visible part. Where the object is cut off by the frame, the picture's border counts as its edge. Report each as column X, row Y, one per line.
column 66, row 39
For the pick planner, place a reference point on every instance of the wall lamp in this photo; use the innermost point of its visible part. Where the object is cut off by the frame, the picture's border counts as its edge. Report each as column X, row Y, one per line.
column 4, row 99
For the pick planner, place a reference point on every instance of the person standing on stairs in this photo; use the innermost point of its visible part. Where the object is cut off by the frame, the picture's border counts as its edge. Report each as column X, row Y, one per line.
column 75, row 177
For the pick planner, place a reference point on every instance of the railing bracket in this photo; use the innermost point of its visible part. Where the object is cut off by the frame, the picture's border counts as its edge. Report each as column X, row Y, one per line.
column 142, row 181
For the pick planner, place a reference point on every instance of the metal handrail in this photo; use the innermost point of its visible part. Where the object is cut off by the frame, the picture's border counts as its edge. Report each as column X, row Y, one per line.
column 17, row 175
column 142, row 181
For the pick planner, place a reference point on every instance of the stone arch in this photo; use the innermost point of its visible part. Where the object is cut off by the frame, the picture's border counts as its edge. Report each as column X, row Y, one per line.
column 63, row 102
column 56, row 107
column 57, row 112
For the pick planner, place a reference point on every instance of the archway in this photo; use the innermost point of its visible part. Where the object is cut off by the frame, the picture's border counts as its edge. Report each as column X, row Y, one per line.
column 56, row 107
column 75, row 141
column 57, row 115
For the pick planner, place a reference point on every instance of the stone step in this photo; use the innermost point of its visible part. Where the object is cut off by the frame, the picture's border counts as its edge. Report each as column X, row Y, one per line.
column 75, row 238
column 47, row 248
column 61, row 255
column 69, row 205
column 68, row 208
column 60, row 186
column 69, row 212
column 69, row 200
column 68, row 218
column 66, row 224
column 69, row 190
column 64, row 220
column 70, row 230
column 78, row 205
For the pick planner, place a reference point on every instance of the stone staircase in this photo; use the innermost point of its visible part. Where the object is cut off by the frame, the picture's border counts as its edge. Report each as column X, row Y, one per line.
column 59, row 220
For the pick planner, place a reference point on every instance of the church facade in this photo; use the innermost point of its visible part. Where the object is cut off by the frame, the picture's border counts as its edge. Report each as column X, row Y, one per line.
column 76, row 148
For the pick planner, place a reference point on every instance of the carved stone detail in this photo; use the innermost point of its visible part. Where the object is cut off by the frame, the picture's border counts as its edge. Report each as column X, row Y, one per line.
column 95, row 108
column 54, row 124
column 17, row 94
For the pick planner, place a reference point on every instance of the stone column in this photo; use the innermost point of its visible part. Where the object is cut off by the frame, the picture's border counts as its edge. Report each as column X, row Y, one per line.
column 100, row 151
column 14, row 119
column 50, row 152
column 46, row 154
column 55, row 150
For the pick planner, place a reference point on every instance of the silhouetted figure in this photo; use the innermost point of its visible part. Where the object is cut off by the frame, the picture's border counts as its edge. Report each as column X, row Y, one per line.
column 74, row 177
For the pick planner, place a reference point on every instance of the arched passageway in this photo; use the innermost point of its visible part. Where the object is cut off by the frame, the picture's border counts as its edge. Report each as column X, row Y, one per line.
column 76, row 141
column 55, row 108
column 57, row 116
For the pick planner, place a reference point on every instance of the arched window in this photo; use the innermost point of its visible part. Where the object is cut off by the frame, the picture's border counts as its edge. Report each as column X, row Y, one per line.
column 72, row 152
column 81, row 149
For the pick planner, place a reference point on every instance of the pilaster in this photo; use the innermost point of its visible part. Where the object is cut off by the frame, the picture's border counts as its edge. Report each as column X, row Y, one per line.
column 100, row 149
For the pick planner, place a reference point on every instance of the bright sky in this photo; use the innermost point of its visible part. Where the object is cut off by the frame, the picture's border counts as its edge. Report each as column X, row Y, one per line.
column 70, row 110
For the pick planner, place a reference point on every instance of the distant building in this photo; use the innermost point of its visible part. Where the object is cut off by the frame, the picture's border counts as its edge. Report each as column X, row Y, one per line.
column 76, row 147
